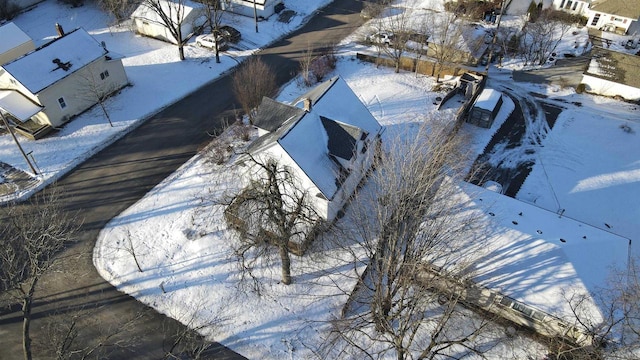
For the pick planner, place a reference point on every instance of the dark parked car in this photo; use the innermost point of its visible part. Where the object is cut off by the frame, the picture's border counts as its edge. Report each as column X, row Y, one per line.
column 230, row 34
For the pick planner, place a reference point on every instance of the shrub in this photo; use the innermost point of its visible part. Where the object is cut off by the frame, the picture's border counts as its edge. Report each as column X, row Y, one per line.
column 580, row 88
column 8, row 10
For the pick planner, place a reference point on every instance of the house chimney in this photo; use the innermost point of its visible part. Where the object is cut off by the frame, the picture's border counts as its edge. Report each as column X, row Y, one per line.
column 307, row 104
column 59, row 30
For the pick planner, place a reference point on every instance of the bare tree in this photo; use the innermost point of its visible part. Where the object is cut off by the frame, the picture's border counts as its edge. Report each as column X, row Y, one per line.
column 214, row 12
column 446, row 42
column 398, row 24
column 120, row 9
column 172, row 14
column 80, row 335
column 612, row 332
column 251, row 82
column 541, row 38
column 96, row 86
column 32, row 236
column 407, row 304
column 274, row 211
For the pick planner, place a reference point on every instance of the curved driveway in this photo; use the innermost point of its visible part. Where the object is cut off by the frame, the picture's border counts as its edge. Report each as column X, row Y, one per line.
column 118, row 176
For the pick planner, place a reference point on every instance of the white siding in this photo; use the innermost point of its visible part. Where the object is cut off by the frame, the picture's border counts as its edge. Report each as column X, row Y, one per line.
column 609, row 88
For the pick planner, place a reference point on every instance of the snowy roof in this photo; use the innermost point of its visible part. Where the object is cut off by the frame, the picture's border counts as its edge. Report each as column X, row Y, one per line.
column 536, row 256
column 615, row 66
column 55, row 60
column 12, row 37
column 626, row 8
column 488, row 99
column 168, row 7
column 336, row 115
column 18, row 105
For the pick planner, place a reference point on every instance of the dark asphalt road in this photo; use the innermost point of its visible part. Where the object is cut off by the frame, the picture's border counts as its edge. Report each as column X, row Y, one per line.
column 118, row 176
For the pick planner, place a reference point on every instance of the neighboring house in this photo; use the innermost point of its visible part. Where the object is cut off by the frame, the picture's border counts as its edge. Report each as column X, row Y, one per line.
column 485, row 108
column 63, row 77
column 530, row 263
column 612, row 73
column 146, row 21
column 579, row 7
column 262, row 8
column 327, row 137
column 14, row 44
column 619, row 16
column 520, row 7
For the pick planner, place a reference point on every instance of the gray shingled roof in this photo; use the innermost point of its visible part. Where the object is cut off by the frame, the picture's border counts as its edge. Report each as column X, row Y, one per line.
column 342, row 138
column 626, row 8
column 272, row 114
column 617, row 67
column 316, row 93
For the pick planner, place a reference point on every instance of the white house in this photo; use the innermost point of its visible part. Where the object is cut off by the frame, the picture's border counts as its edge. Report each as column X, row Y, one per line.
column 620, row 16
column 529, row 262
column 578, row 7
column 613, row 73
column 189, row 15
column 14, row 44
column 327, row 137
column 62, row 78
column 520, row 7
column 261, row 8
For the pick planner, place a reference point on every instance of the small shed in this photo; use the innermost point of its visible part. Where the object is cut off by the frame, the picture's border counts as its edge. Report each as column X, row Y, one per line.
column 485, row 108
column 14, row 44
column 189, row 15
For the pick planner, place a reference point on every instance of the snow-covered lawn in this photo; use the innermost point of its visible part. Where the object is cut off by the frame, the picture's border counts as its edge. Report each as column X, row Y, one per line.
column 157, row 76
column 588, row 166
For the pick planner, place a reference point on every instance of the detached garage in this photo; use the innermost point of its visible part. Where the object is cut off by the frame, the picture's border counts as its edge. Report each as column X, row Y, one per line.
column 485, row 108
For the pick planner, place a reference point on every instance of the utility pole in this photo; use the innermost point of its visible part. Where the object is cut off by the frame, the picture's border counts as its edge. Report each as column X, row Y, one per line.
column 495, row 36
column 6, row 124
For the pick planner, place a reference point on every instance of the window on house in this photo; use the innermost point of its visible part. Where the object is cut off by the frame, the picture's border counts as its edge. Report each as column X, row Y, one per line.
column 569, row 3
column 617, row 19
column 595, row 20
column 562, row 4
column 13, row 81
column 104, row 75
column 62, row 103
column 575, row 5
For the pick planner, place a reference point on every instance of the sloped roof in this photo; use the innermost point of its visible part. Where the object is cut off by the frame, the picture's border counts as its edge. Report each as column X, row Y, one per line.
column 12, row 37
column 40, row 68
column 16, row 104
column 271, row 114
column 626, row 8
column 615, row 66
column 309, row 140
column 536, row 256
column 178, row 11
column 342, row 138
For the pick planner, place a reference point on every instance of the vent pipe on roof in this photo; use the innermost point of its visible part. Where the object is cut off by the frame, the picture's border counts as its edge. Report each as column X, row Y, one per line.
column 59, row 30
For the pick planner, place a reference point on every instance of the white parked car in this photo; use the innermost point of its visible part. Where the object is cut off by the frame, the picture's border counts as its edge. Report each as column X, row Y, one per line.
column 382, row 37
column 209, row 41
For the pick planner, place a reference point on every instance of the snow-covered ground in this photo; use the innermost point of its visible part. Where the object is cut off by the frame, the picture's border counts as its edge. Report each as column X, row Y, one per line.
column 588, row 166
column 157, row 76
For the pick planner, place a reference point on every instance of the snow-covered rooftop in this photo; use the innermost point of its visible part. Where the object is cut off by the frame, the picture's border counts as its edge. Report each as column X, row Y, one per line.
column 178, row 11
column 540, row 257
column 12, row 36
column 18, row 105
column 40, row 68
column 488, row 99
column 307, row 142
